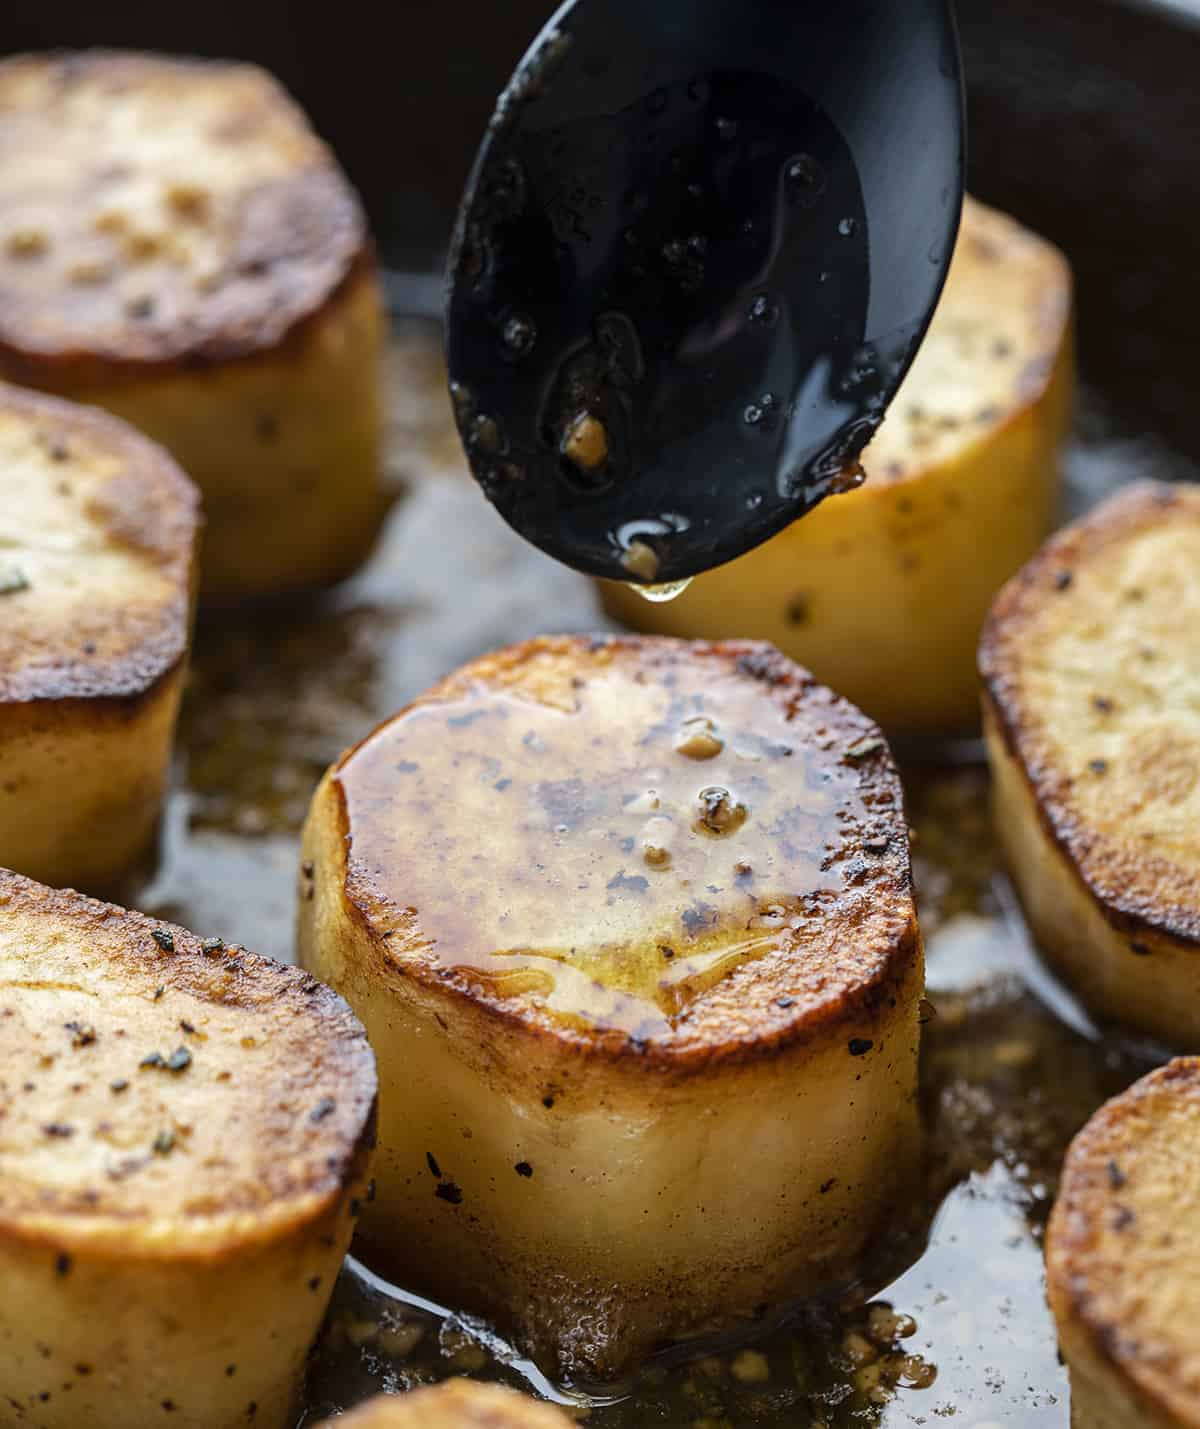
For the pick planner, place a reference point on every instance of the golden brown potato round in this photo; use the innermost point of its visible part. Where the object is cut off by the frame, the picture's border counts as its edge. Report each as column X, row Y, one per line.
column 630, row 925
column 457, row 1404
column 1091, row 666
column 1123, row 1257
column 881, row 591
column 98, row 532
column 186, row 1135
column 178, row 246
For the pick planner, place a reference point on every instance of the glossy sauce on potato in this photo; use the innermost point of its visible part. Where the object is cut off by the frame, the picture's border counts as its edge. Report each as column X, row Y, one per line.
column 631, row 840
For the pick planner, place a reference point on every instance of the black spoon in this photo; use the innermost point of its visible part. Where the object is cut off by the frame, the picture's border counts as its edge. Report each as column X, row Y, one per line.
column 698, row 251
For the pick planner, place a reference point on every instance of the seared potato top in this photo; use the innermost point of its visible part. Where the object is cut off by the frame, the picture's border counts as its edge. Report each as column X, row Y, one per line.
column 97, row 546
column 694, row 846
column 164, row 1097
column 1091, row 662
column 457, row 1404
column 154, row 208
column 1123, row 1250
column 990, row 352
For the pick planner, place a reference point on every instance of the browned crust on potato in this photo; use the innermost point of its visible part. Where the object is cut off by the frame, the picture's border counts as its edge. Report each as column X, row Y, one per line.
column 1143, row 894
column 151, row 509
column 299, row 245
column 762, row 1009
column 457, row 1404
column 1085, row 1281
column 304, row 1165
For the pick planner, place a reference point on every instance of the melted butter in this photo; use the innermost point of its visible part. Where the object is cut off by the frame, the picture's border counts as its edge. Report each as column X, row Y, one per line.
column 660, row 594
column 568, row 851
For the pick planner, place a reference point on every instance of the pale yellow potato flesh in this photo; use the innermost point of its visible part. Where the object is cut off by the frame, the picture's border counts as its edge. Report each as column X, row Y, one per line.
column 1091, row 667
column 457, row 1404
column 287, row 450
column 178, row 246
column 98, row 531
column 184, row 1146
column 1123, row 1257
column 881, row 591
column 648, row 1054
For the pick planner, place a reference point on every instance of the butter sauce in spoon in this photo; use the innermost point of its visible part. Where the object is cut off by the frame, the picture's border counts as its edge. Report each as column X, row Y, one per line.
column 699, row 248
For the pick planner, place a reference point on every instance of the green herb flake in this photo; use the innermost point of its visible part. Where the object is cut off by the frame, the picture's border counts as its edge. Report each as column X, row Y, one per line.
column 164, row 939
column 164, row 1143
column 12, row 580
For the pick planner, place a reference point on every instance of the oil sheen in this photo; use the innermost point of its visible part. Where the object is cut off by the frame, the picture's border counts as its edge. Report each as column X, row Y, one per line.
column 608, row 850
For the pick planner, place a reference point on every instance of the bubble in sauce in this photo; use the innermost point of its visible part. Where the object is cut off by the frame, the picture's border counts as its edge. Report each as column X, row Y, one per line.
column 698, row 739
column 764, row 311
column 763, row 412
column 519, row 335
column 803, row 180
column 720, row 813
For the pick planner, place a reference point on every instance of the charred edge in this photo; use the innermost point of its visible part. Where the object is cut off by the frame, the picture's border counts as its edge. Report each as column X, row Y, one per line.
column 860, row 1007
column 1124, row 916
column 62, row 695
column 1052, row 571
column 1091, row 1174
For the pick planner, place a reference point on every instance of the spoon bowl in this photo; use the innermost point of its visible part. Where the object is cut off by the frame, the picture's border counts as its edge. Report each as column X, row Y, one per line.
column 698, row 251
